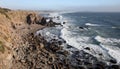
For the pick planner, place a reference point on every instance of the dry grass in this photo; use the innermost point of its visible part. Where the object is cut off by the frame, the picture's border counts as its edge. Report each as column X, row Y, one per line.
column 3, row 11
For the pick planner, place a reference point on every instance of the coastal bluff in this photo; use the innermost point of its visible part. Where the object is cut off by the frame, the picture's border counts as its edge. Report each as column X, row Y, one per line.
column 13, row 28
column 21, row 49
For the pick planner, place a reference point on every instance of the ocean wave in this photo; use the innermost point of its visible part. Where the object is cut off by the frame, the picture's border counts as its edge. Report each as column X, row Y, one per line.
column 107, row 41
column 113, row 51
column 90, row 24
column 106, row 47
column 80, row 42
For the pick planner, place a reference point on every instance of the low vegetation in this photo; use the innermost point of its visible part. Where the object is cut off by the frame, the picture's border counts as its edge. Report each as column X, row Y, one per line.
column 3, row 11
column 2, row 49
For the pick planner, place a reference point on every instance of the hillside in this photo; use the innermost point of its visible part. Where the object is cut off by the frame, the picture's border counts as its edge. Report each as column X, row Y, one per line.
column 13, row 27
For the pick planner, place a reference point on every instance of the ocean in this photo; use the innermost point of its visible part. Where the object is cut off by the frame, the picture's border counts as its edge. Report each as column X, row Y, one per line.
column 98, row 31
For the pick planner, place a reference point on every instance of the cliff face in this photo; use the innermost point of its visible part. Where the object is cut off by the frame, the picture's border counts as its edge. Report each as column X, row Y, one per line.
column 13, row 27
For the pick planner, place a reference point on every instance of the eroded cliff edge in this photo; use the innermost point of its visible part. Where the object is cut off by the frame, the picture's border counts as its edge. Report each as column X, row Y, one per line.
column 21, row 49
column 13, row 29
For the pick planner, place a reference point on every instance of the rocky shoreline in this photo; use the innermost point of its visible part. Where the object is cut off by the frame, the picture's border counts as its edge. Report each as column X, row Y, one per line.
column 40, row 54
column 25, row 50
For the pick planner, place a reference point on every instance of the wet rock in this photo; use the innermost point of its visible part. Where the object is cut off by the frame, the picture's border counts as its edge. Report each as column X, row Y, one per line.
column 60, row 42
column 65, row 53
column 81, row 28
column 64, row 41
column 100, row 54
column 113, row 61
column 78, row 67
column 64, row 22
column 68, row 46
column 87, row 48
column 54, row 47
column 100, row 65
column 97, row 67
column 115, row 67
column 43, row 21
column 87, row 63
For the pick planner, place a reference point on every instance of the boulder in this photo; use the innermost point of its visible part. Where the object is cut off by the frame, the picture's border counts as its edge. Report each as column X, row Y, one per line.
column 33, row 19
column 43, row 21
column 113, row 61
column 115, row 67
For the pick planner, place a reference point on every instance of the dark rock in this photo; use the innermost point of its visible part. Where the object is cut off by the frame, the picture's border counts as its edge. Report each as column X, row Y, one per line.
column 87, row 48
column 32, row 47
column 32, row 19
column 13, row 26
column 29, row 21
column 68, row 46
column 65, row 53
column 81, row 28
column 100, row 65
column 54, row 66
column 81, row 67
column 115, row 67
column 113, row 61
column 60, row 42
column 43, row 21
column 64, row 41
column 64, row 22
column 100, row 54
column 54, row 47
column 87, row 63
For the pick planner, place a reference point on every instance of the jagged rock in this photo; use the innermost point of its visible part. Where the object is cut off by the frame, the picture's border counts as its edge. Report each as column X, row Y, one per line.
column 81, row 28
column 60, row 42
column 113, row 61
column 33, row 19
column 81, row 67
column 43, row 21
column 114, row 67
column 68, row 46
column 100, row 65
column 87, row 48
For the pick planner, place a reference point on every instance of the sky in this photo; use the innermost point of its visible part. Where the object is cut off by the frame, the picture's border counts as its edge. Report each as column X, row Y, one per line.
column 77, row 5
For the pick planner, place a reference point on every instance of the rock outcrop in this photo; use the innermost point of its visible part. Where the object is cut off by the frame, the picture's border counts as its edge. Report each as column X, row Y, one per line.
column 33, row 19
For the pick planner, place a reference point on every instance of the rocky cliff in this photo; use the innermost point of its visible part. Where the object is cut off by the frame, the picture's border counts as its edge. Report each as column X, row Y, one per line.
column 13, row 27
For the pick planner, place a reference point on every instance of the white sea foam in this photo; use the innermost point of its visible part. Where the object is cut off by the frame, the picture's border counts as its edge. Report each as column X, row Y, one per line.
column 90, row 24
column 107, row 41
column 107, row 45
column 113, row 51
column 80, row 42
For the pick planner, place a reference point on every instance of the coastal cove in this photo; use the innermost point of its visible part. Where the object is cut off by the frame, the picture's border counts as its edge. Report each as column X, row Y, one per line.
column 55, row 40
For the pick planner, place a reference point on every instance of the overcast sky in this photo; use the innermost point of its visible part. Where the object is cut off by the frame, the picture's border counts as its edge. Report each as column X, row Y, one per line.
column 79, row 5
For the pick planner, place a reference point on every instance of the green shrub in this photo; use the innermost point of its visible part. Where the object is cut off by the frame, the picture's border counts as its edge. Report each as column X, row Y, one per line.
column 2, row 49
